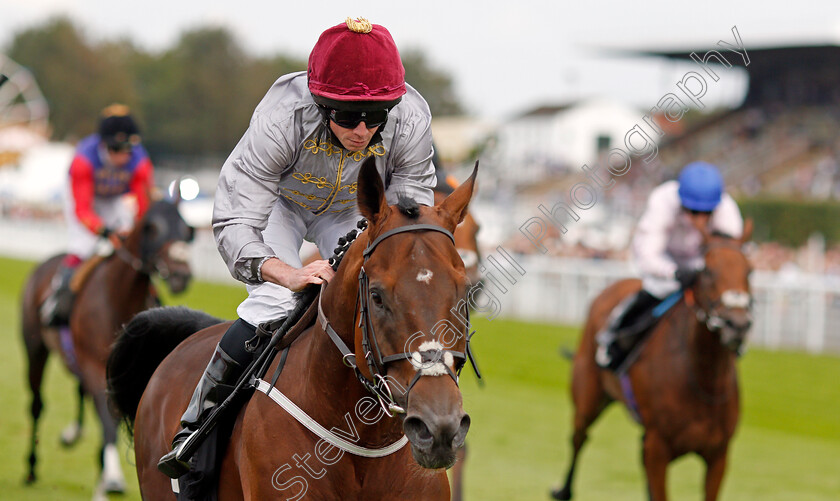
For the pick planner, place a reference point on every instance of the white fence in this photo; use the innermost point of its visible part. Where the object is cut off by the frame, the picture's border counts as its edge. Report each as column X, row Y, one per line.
column 791, row 311
column 37, row 239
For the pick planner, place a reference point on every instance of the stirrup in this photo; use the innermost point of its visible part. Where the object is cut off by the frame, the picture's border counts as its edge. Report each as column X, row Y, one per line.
column 170, row 465
column 602, row 357
column 47, row 310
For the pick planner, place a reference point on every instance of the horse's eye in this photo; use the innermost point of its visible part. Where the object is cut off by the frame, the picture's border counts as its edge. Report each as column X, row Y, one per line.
column 376, row 298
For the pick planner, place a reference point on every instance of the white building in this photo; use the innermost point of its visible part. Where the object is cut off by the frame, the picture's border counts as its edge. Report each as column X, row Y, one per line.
column 550, row 140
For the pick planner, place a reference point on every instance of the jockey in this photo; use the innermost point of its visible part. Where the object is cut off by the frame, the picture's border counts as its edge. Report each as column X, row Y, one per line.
column 293, row 177
column 667, row 248
column 111, row 178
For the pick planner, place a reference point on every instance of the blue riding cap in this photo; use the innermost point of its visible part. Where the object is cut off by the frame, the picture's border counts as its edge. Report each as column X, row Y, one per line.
column 701, row 186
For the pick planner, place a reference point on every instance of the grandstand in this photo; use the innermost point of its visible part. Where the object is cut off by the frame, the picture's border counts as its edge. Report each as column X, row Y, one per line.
column 782, row 139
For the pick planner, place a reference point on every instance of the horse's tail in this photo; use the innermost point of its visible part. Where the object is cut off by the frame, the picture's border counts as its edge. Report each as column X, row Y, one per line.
column 141, row 346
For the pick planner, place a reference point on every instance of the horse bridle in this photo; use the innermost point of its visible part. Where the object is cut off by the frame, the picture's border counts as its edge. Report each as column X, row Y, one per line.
column 377, row 364
column 710, row 313
column 149, row 261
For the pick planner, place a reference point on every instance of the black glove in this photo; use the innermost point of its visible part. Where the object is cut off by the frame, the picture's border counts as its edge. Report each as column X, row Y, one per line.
column 686, row 277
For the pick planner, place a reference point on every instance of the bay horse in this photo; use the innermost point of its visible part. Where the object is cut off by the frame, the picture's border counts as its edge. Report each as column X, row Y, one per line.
column 394, row 301
column 114, row 290
column 683, row 387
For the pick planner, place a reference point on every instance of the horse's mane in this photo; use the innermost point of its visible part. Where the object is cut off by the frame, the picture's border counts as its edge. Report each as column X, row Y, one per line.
column 141, row 345
column 721, row 234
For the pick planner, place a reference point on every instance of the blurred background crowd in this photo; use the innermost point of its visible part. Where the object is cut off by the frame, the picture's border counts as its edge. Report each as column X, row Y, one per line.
column 773, row 136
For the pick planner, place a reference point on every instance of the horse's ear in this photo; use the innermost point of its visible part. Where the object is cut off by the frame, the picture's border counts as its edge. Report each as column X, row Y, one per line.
column 176, row 191
column 746, row 235
column 371, row 192
column 454, row 207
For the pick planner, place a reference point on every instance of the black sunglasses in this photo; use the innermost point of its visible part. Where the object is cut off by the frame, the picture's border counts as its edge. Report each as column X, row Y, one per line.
column 352, row 119
column 119, row 148
column 696, row 212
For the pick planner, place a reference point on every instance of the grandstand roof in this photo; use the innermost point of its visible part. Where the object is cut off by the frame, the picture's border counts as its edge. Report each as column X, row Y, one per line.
column 789, row 75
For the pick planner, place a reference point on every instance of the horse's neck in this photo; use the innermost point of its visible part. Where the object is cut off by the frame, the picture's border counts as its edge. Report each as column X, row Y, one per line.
column 345, row 403
column 133, row 242
column 330, row 377
column 122, row 279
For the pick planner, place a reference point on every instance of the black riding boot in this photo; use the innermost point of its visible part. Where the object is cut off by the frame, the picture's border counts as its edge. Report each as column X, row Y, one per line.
column 643, row 303
column 616, row 341
column 55, row 311
column 225, row 367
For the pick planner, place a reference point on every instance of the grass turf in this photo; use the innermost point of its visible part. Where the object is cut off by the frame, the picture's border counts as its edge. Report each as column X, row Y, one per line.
column 787, row 446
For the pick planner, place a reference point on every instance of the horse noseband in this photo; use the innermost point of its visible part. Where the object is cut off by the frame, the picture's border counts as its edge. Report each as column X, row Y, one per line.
column 426, row 362
column 729, row 299
column 377, row 364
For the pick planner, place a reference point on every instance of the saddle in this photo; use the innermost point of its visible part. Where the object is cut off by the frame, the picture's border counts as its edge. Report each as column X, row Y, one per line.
column 83, row 271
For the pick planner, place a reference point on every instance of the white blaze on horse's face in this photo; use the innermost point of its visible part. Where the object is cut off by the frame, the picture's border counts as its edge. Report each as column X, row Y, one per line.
column 435, row 366
column 425, row 276
column 735, row 299
column 179, row 251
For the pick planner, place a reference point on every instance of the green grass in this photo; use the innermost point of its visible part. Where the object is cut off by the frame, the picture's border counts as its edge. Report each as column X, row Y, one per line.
column 787, row 446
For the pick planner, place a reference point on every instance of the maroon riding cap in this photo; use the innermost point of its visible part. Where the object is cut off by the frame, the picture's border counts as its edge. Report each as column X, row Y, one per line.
column 356, row 61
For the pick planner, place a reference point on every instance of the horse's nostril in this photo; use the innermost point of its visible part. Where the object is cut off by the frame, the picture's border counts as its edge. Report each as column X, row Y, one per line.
column 461, row 435
column 417, row 431
column 739, row 325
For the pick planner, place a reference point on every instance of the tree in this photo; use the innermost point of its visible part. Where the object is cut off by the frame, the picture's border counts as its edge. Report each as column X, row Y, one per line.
column 77, row 79
column 194, row 99
column 199, row 96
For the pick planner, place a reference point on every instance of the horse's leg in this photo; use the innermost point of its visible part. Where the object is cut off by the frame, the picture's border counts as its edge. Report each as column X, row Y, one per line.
column 590, row 400
column 37, row 354
column 73, row 431
column 715, row 468
column 655, row 456
column 458, row 474
column 93, row 379
column 113, row 480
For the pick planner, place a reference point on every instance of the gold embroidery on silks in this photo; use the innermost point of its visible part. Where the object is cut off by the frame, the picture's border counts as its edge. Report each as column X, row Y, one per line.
column 376, row 150
column 307, row 178
column 297, row 202
column 336, row 189
column 306, row 195
column 316, row 147
column 313, row 146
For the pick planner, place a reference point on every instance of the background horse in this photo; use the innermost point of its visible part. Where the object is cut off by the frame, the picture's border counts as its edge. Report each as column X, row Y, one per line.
column 684, row 380
column 412, row 281
column 466, row 234
column 115, row 289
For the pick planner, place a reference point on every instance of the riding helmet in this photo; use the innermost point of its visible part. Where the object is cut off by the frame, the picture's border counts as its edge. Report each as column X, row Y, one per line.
column 354, row 64
column 701, row 186
column 117, row 128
